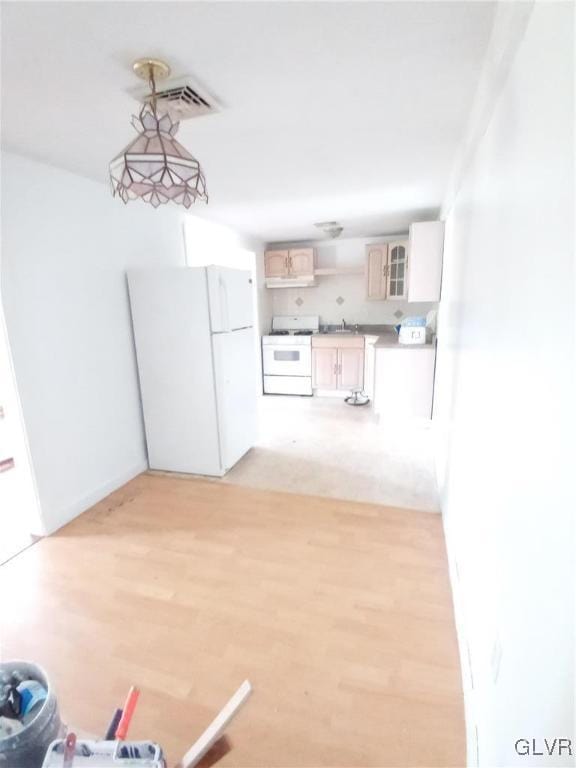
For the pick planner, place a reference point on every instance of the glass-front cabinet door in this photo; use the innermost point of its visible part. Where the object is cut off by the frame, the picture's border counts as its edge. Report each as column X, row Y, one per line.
column 397, row 287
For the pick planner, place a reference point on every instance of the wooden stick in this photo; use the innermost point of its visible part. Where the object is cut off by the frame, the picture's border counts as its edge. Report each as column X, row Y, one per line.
column 216, row 727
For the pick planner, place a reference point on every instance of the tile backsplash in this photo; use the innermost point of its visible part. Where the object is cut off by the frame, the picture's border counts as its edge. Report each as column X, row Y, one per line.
column 342, row 296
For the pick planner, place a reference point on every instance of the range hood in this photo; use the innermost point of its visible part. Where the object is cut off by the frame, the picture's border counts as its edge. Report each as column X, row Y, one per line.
column 306, row 281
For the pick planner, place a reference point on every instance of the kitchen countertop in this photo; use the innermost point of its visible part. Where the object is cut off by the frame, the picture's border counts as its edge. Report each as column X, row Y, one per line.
column 386, row 336
column 363, row 330
column 343, row 334
column 390, row 339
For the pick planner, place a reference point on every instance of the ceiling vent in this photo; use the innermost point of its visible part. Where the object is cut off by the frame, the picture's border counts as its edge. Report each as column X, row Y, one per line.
column 181, row 97
column 330, row 228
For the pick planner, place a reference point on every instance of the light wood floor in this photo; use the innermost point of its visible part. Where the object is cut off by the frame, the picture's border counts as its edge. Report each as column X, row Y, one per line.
column 338, row 612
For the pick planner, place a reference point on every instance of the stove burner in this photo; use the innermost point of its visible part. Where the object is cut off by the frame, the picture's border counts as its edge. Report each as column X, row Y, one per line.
column 302, row 333
column 279, row 333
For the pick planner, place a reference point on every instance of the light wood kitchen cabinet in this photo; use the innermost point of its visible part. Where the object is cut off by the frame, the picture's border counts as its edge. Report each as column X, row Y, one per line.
column 377, row 256
column 337, row 363
column 276, row 264
column 386, row 270
column 301, row 261
column 324, row 368
column 293, row 262
column 426, row 247
column 350, row 369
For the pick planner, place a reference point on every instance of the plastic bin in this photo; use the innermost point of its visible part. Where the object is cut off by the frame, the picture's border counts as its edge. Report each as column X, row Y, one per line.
column 27, row 748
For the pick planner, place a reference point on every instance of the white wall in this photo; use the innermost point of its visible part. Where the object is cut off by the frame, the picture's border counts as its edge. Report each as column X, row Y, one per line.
column 322, row 298
column 505, row 404
column 66, row 244
column 19, row 504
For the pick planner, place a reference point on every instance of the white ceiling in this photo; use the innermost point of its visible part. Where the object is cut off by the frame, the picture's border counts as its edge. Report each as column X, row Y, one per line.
column 349, row 111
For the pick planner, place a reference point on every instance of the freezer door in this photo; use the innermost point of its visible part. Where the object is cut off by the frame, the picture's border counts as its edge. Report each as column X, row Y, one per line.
column 235, row 369
column 231, row 299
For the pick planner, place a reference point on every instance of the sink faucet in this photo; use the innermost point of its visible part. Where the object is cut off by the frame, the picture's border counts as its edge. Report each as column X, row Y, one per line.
column 343, row 326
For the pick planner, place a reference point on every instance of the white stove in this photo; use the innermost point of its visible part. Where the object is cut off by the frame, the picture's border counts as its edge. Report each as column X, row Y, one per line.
column 287, row 355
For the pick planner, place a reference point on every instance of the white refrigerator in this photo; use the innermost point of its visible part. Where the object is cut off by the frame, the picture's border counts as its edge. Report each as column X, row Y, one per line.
column 196, row 354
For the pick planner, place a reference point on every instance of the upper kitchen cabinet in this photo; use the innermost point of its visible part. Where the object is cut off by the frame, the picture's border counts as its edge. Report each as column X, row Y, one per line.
column 396, row 272
column 426, row 245
column 386, row 276
column 276, row 263
column 292, row 263
column 377, row 260
column 301, row 262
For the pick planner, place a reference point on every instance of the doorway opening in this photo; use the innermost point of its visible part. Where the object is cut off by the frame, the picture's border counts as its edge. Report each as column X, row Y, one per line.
column 20, row 520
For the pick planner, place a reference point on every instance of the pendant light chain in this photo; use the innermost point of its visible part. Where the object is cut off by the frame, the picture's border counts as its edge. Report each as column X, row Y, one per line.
column 152, row 86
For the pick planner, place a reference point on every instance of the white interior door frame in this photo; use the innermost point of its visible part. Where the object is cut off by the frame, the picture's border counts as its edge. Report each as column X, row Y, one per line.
column 20, row 512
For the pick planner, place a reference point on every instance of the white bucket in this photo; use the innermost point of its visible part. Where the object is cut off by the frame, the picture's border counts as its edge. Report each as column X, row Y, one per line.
column 27, row 748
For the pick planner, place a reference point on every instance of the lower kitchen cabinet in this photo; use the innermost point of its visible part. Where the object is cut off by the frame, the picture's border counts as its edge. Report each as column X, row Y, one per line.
column 350, row 369
column 337, row 363
column 369, row 365
column 404, row 382
column 324, row 368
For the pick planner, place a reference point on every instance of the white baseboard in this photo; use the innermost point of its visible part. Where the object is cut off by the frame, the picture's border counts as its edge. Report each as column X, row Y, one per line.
column 59, row 518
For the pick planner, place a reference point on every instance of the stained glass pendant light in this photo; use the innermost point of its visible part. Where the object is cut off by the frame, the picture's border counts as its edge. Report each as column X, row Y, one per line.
column 155, row 167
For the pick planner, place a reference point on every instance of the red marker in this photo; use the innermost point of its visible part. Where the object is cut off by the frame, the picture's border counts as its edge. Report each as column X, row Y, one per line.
column 69, row 749
column 129, row 708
